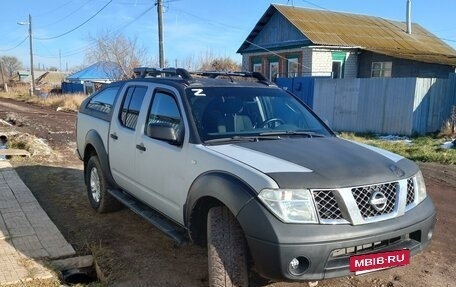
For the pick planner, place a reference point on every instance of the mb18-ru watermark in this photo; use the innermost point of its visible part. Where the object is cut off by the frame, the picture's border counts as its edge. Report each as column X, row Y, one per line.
column 382, row 260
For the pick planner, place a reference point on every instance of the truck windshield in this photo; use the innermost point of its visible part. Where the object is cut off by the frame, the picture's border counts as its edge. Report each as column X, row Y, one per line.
column 247, row 112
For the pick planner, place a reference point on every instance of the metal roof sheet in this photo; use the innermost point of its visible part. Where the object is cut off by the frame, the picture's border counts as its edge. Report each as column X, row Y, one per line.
column 366, row 32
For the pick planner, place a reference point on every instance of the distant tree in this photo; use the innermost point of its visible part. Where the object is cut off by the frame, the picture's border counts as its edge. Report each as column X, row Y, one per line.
column 219, row 64
column 11, row 64
column 53, row 69
column 117, row 48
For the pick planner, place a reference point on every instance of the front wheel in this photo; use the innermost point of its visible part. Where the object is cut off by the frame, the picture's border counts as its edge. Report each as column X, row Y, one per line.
column 227, row 251
column 97, row 188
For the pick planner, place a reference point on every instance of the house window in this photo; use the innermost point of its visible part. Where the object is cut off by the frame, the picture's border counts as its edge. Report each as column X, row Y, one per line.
column 258, row 68
column 381, row 69
column 273, row 70
column 293, row 67
column 337, row 70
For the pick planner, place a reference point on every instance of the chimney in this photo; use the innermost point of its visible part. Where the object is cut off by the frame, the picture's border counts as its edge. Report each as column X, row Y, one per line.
column 409, row 17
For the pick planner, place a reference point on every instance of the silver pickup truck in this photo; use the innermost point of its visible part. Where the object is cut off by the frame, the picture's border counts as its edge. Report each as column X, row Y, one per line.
column 232, row 162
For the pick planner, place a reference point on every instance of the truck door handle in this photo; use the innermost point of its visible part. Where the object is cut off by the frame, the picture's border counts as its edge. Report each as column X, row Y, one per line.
column 114, row 136
column 141, row 147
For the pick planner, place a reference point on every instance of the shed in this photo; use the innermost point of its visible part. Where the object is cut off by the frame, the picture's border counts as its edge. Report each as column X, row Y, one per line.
column 85, row 79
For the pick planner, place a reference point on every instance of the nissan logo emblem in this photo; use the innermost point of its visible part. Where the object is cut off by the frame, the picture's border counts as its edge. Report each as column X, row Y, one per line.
column 378, row 200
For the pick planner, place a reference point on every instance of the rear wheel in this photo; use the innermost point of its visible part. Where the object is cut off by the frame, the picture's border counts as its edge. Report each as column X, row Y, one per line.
column 227, row 250
column 97, row 188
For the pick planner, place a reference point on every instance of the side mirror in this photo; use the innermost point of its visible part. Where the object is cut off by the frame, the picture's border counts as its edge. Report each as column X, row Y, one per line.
column 165, row 132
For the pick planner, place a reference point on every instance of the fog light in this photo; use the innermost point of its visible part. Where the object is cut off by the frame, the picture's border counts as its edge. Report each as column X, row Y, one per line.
column 298, row 265
column 429, row 235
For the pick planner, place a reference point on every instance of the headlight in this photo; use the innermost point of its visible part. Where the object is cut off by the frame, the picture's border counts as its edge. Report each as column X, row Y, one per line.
column 420, row 188
column 290, row 205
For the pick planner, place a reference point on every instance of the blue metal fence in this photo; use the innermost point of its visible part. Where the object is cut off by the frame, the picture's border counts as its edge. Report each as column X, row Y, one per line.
column 70, row 88
column 302, row 87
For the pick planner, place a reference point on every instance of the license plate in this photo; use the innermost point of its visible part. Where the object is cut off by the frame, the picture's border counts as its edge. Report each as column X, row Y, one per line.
column 361, row 264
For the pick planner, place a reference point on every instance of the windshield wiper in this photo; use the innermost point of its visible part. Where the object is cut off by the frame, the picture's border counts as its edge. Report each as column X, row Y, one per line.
column 292, row 133
column 243, row 139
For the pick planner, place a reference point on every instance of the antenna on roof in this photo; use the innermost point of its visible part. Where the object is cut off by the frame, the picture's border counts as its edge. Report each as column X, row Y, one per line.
column 409, row 17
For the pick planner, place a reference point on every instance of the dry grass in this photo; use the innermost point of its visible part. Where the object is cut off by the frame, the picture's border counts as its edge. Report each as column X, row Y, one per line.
column 66, row 101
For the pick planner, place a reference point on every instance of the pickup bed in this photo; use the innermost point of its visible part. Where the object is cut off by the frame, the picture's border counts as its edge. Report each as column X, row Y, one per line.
column 232, row 162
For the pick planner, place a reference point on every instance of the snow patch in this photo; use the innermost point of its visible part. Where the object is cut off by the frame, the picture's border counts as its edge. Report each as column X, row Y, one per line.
column 449, row 144
column 394, row 138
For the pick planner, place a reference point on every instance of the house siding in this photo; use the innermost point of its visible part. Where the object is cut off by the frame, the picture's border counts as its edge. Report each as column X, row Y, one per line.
column 401, row 67
column 278, row 33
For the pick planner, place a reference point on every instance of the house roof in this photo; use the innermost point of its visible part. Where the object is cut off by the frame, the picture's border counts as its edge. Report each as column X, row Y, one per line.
column 98, row 71
column 369, row 33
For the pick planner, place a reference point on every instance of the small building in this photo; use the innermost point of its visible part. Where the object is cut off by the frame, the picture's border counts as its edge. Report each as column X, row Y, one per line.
column 291, row 41
column 88, row 79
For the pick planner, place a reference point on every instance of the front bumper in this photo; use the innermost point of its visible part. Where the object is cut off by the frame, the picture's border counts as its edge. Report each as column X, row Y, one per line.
column 327, row 248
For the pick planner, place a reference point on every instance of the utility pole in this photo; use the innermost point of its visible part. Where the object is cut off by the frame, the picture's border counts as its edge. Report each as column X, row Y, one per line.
column 5, row 85
column 32, row 73
column 161, row 56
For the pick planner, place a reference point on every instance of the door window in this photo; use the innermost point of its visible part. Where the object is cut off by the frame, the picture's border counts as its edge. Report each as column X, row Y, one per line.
column 132, row 105
column 165, row 110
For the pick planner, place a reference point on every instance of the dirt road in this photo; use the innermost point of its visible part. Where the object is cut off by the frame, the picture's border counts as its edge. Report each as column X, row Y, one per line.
column 130, row 252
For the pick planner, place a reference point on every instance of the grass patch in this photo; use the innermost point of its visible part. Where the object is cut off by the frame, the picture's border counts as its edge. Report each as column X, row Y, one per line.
column 422, row 148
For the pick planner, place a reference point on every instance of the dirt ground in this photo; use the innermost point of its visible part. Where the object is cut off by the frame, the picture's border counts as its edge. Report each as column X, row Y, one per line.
column 131, row 252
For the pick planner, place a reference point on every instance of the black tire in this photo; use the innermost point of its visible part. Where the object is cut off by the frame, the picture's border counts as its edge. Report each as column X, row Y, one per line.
column 227, row 251
column 97, row 188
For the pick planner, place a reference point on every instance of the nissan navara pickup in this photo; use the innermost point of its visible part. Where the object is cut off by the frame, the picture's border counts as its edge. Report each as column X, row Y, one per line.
column 232, row 162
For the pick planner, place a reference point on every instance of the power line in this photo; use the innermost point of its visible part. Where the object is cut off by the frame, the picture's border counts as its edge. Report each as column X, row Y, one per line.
column 88, row 46
column 55, row 9
column 315, row 5
column 6, row 50
column 79, row 26
column 66, row 16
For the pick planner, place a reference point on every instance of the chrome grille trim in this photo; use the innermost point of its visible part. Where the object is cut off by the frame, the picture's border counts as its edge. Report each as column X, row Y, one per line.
column 410, row 191
column 352, row 205
column 363, row 194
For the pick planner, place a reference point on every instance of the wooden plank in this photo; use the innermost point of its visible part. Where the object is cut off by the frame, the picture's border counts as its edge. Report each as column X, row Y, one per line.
column 73, row 263
column 12, row 151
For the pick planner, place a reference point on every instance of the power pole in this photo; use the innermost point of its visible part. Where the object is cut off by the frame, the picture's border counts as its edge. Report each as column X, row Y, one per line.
column 32, row 73
column 161, row 56
column 31, row 55
column 5, row 85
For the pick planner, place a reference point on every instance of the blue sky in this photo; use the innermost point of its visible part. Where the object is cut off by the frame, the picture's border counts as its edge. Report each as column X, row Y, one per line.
column 191, row 27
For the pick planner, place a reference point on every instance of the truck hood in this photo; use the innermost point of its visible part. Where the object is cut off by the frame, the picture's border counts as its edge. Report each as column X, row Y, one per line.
column 328, row 162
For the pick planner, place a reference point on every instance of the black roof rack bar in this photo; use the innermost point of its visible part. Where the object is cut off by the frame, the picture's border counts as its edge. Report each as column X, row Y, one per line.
column 214, row 74
column 143, row 72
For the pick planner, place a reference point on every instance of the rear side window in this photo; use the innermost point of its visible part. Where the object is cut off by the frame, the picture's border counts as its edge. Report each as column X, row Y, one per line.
column 104, row 100
column 131, row 106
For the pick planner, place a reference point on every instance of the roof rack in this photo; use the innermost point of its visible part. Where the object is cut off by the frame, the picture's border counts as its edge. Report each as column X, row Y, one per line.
column 214, row 74
column 144, row 72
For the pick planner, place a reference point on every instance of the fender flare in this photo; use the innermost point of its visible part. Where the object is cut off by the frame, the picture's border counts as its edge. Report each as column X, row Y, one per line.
column 227, row 188
column 213, row 189
column 93, row 138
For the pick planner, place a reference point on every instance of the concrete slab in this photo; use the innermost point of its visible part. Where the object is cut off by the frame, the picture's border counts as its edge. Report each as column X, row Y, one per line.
column 27, row 234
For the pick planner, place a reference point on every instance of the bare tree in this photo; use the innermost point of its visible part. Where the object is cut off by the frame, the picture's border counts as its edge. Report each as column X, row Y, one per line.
column 208, row 61
column 11, row 64
column 117, row 48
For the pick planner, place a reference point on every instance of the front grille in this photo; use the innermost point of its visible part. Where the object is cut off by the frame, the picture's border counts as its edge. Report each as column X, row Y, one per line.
column 410, row 191
column 363, row 196
column 327, row 205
